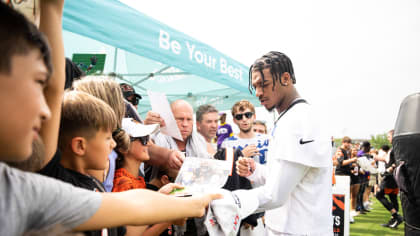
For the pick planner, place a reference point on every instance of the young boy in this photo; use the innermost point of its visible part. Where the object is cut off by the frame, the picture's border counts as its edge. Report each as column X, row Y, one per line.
column 85, row 141
column 34, row 202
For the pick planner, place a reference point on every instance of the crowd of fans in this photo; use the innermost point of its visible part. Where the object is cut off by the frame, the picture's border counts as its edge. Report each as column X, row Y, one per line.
column 370, row 172
column 92, row 138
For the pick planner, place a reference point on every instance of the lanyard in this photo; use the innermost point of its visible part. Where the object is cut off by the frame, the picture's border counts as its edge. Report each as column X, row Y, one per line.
column 284, row 112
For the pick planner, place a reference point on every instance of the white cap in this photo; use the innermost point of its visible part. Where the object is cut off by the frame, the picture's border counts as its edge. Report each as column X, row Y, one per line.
column 225, row 214
column 136, row 129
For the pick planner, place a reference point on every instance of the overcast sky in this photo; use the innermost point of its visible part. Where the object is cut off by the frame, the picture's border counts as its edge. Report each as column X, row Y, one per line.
column 356, row 59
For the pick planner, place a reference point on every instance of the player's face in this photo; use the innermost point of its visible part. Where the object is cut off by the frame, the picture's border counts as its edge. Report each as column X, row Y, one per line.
column 208, row 125
column 270, row 95
column 23, row 106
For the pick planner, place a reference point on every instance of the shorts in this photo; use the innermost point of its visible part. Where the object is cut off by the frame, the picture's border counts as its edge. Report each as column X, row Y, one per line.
column 354, row 179
column 372, row 180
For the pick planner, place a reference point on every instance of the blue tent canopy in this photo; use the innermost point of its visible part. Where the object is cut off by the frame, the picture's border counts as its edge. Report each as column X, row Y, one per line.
column 153, row 56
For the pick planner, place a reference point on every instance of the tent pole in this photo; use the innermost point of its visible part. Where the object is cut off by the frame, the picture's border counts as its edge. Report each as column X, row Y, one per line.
column 115, row 60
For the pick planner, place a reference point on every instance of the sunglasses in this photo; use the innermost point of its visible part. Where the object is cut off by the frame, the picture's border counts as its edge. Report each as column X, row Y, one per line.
column 143, row 140
column 134, row 101
column 240, row 116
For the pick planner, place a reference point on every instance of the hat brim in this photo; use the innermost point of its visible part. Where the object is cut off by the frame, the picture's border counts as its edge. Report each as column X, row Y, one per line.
column 135, row 129
column 145, row 130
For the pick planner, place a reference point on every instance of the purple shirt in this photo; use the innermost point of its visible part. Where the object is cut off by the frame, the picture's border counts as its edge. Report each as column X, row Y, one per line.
column 223, row 132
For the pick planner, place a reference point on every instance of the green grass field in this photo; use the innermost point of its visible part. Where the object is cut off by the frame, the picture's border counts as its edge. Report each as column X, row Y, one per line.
column 370, row 224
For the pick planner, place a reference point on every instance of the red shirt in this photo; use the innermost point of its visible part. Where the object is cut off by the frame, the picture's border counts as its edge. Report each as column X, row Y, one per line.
column 124, row 180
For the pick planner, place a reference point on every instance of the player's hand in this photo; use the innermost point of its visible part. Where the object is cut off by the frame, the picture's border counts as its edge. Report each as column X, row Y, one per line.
column 245, row 166
column 175, row 160
column 166, row 189
column 250, row 151
column 154, row 118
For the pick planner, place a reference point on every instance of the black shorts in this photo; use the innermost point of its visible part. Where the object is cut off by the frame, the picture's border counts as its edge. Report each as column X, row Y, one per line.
column 354, row 179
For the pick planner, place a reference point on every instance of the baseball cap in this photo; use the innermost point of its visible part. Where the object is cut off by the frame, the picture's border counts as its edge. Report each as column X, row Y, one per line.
column 128, row 90
column 136, row 129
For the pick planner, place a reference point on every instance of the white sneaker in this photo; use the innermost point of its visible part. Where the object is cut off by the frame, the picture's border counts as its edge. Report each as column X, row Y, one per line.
column 366, row 205
column 351, row 219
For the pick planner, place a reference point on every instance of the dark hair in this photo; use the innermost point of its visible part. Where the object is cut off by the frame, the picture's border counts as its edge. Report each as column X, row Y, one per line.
column 385, row 148
column 19, row 37
column 366, row 146
column 204, row 109
column 277, row 62
column 73, row 72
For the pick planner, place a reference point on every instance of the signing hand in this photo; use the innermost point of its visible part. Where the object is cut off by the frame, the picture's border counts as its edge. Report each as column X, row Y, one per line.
column 245, row 166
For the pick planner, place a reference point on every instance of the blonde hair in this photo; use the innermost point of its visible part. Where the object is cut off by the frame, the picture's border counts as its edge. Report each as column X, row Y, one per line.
column 82, row 115
column 242, row 106
column 107, row 89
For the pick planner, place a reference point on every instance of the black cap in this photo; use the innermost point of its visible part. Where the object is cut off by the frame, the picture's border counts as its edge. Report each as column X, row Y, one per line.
column 128, row 90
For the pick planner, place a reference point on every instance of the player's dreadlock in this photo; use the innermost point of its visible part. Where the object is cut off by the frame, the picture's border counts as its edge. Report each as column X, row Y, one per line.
column 277, row 62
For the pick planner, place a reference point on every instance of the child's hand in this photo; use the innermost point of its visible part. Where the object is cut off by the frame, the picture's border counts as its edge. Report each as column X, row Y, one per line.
column 202, row 201
column 180, row 222
column 166, row 189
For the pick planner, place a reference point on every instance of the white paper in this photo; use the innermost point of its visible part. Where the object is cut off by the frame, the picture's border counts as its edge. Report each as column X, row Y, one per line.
column 160, row 105
column 202, row 175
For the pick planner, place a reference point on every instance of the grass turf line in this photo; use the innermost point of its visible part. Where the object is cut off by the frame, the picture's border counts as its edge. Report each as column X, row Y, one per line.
column 370, row 223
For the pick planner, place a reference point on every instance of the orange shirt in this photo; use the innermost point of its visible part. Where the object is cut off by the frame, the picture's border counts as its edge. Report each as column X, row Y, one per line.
column 124, row 180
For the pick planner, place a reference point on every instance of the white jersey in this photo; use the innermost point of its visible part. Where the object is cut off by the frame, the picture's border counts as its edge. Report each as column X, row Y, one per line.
column 259, row 140
column 298, row 137
column 296, row 189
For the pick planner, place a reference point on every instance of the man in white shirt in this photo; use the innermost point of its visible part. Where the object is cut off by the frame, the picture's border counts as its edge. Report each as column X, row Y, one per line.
column 296, row 184
column 251, row 144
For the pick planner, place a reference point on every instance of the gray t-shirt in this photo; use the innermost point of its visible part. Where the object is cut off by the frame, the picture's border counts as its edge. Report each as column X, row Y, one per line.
column 30, row 202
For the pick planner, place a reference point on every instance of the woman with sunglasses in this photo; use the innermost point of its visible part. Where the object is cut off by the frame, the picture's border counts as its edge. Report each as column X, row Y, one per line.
column 127, row 174
column 128, row 162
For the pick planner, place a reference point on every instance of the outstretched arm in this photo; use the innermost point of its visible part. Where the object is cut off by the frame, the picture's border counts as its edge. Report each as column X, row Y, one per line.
column 143, row 207
column 50, row 25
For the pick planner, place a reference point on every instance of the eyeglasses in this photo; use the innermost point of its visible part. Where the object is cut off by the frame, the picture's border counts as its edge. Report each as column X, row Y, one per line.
column 143, row 140
column 247, row 115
